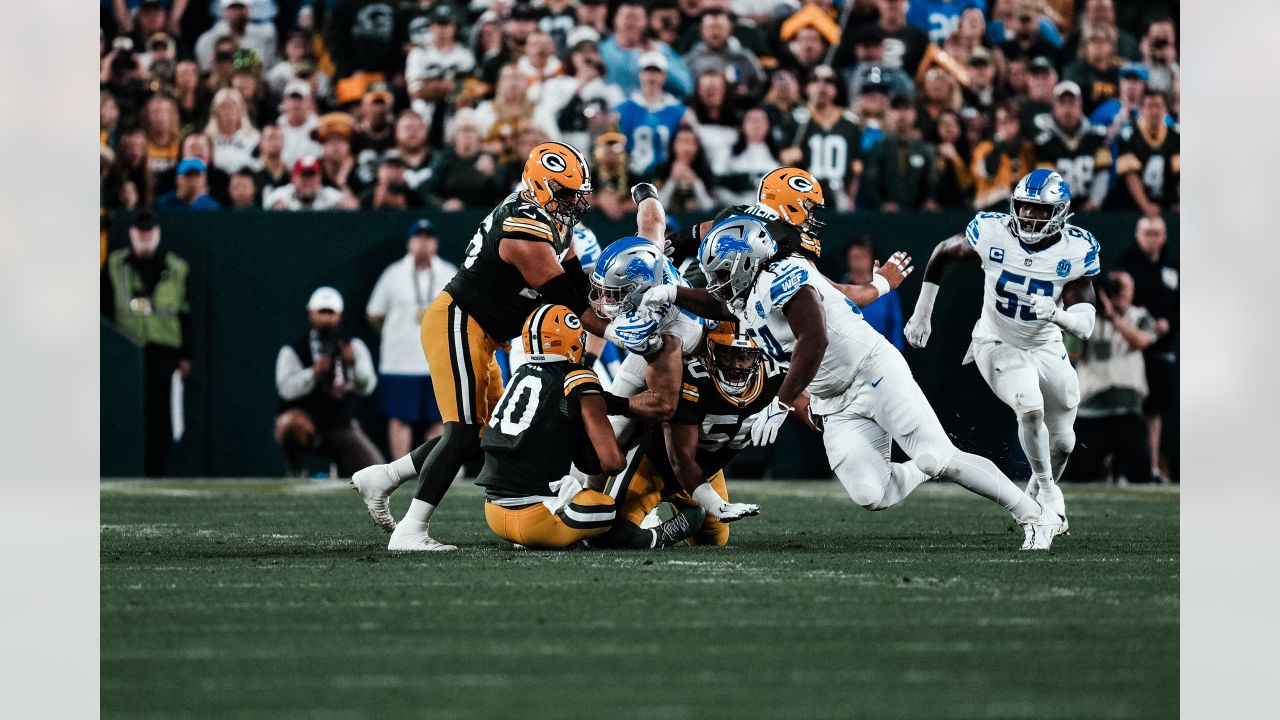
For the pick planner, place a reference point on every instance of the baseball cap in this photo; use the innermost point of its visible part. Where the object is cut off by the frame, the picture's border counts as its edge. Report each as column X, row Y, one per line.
column 393, row 156
column 871, row 34
column 979, row 56
column 144, row 220
column 823, row 72
column 378, row 91
column 298, row 87
column 652, row 59
column 335, row 124
column 325, row 298
column 191, row 165
column 422, row 227
column 1134, row 71
column 1040, row 64
column 442, row 14
column 1066, row 87
column 525, row 11
column 582, row 34
column 228, row 3
column 875, row 80
column 306, row 164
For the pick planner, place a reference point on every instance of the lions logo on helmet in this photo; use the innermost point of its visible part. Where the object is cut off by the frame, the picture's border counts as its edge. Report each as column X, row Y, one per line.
column 557, row 179
column 732, row 255
column 625, row 270
column 553, row 333
column 735, row 361
column 1040, row 205
column 794, row 194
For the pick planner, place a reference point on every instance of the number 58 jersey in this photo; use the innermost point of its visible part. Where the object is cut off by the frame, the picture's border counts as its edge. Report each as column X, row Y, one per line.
column 1016, row 273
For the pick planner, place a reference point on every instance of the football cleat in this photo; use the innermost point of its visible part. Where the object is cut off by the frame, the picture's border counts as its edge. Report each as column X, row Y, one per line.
column 409, row 539
column 375, row 485
column 681, row 527
column 1039, row 533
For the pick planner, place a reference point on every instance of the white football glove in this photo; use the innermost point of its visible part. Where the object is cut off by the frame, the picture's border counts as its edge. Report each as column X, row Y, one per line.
column 765, row 424
column 635, row 331
column 658, row 296
column 1044, row 307
column 917, row 331
column 710, row 500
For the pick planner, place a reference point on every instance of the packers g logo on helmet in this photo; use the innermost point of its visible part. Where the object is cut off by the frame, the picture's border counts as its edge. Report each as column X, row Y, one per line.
column 794, row 194
column 553, row 333
column 556, row 178
column 800, row 183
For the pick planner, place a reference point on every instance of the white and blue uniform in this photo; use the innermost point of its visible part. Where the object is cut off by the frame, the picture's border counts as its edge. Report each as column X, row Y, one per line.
column 1021, row 357
column 864, row 390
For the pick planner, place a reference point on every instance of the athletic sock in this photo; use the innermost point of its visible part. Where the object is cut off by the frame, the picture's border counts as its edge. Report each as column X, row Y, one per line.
column 419, row 512
column 981, row 476
column 402, row 470
column 1034, row 437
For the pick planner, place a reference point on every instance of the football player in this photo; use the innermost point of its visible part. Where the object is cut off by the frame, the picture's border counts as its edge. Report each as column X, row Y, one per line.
column 1033, row 260
column 520, row 257
column 842, row 377
column 681, row 460
column 551, row 415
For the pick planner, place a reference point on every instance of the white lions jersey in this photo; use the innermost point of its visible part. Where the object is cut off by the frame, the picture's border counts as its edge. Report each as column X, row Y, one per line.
column 672, row 320
column 1015, row 273
column 849, row 338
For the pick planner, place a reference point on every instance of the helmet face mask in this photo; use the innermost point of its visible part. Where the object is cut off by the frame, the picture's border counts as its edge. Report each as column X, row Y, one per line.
column 732, row 256
column 624, row 271
column 557, row 179
column 1040, row 206
column 734, row 360
column 567, row 206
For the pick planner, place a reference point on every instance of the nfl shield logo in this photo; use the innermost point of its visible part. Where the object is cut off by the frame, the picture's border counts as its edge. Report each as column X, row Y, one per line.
column 1064, row 267
column 1027, row 262
column 997, row 255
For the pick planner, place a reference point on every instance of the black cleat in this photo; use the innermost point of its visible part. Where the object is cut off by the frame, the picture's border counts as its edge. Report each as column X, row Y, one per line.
column 681, row 527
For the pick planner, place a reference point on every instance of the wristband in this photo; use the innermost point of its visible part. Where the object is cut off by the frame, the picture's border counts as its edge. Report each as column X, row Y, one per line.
column 928, row 293
column 643, row 191
column 879, row 282
column 615, row 405
column 708, row 498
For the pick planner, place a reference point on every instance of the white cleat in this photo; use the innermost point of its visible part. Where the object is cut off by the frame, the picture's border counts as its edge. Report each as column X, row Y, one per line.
column 1039, row 533
column 409, row 539
column 375, row 485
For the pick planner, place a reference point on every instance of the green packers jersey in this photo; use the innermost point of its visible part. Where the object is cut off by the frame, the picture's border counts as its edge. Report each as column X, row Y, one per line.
column 1155, row 159
column 720, row 418
column 832, row 155
column 536, row 430
column 489, row 288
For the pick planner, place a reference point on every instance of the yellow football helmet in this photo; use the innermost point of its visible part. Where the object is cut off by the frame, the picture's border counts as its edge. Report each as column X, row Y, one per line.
column 734, row 361
column 553, row 333
column 557, row 179
column 794, row 194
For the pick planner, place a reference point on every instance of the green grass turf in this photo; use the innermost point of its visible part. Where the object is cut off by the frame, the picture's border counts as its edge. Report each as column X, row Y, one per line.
column 229, row 599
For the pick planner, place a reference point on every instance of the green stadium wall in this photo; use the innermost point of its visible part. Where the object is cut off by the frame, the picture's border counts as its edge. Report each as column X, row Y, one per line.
column 252, row 272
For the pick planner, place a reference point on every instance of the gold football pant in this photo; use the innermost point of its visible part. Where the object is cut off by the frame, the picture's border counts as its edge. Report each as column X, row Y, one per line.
column 642, row 489
column 464, row 372
column 589, row 514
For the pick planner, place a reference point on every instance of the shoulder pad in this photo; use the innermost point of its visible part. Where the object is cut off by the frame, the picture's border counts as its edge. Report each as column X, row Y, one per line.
column 581, row 377
column 790, row 274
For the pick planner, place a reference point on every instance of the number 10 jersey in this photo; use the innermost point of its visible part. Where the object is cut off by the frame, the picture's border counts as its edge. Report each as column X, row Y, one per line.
column 1015, row 273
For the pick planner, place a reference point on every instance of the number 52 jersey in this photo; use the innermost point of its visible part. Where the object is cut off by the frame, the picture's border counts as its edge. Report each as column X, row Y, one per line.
column 1015, row 273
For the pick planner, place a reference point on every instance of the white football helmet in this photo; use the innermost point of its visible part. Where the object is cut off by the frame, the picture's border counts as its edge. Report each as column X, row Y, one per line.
column 732, row 255
column 1039, row 205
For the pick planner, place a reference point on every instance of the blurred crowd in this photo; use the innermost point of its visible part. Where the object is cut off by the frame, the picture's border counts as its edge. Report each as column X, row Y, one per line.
column 393, row 104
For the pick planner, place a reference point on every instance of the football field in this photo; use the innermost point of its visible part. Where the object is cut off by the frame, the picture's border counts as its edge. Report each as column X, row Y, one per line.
column 274, row 599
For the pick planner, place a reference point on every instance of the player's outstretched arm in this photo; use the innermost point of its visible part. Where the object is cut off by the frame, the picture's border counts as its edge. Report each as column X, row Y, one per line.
column 682, row 451
column 651, row 217
column 809, row 326
column 600, row 432
column 884, row 278
column 662, row 380
column 1079, row 313
column 952, row 250
column 695, row 300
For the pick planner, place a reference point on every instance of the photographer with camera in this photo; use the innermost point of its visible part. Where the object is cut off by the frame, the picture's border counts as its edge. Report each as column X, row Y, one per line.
column 580, row 102
column 318, row 378
column 1113, row 386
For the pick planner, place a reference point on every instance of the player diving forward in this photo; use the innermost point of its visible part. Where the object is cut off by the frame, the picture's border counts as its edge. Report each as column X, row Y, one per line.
column 863, row 393
column 552, row 414
column 1032, row 259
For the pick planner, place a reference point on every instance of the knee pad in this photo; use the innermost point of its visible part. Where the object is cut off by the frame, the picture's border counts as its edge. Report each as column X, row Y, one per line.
column 934, row 461
column 867, row 495
column 1063, row 442
column 1030, row 415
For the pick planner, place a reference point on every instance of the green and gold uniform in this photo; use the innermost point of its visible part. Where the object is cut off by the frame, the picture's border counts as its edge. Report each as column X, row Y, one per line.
column 532, row 440
column 650, row 478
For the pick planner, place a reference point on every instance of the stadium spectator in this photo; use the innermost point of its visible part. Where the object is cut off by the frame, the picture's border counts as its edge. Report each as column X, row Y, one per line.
column 872, row 108
column 411, row 144
column 717, row 50
column 374, row 133
column 611, row 175
column 753, row 155
column 299, row 63
column 337, row 164
column 939, row 93
column 1102, row 14
column 665, row 22
column 939, row 18
column 685, row 180
column 235, row 139
column 715, row 117
column 1113, row 386
column 558, row 20
column 578, row 103
column 804, row 51
column 246, row 78
column 1096, row 70
column 980, row 91
column 747, row 30
column 190, row 95
column 1121, row 111
column 305, row 190
column 955, row 178
column 191, row 191
column 1036, row 108
column 593, row 14
column 999, row 162
column 1030, row 34
column 260, row 37
column 152, row 17
column 822, row 137
column 297, row 119
column 487, row 40
column 129, row 184
column 272, row 171
column 780, row 100
column 159, row 56
column 1076, row 150
column 1149, row 159
column 1156, row 281
column 623, row 52
column 389, row 191
column 224, row 55
column 243, row 190
column 901, row 171
column 319, row 377
column 360, row 38
column 434, row 72
column 885, row 314
column 904, row 45
column 539, row 62
column 649, row 117
column 1160, row 55
column 395, row 309
column 868, row 54
column 197, row 145
column 161, row 125
column 463, row 175
column 144, row 294
column 521, row 21
column 510, row 107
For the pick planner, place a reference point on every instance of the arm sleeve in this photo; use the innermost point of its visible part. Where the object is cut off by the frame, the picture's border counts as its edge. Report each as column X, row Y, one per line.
column 366, row 377
column 563, row 290
column 573, row 268
column 292, row 380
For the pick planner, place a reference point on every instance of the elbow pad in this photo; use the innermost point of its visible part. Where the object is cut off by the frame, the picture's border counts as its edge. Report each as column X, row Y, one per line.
column 563, row 290
column 1078, row 320
column 616, row 405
